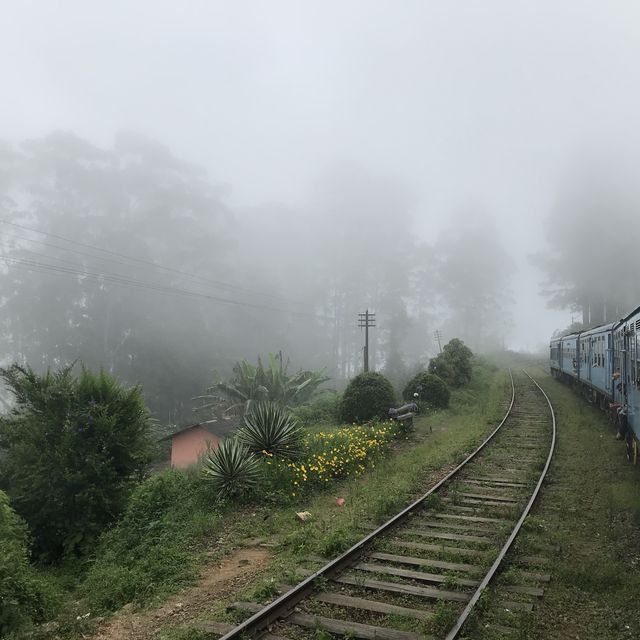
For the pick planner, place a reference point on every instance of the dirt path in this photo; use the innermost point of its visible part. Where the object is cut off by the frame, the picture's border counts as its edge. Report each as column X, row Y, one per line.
column 218, row 581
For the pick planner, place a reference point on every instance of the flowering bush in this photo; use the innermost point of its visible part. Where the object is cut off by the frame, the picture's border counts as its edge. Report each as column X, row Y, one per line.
column 345, row 452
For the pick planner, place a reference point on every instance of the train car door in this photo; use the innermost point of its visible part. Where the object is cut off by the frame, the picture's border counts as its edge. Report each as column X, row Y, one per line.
column 626, row 364
column 633, row 392
column 608, row 362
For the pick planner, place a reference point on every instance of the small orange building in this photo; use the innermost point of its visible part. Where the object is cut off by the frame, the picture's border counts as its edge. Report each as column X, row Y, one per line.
column 190, row 443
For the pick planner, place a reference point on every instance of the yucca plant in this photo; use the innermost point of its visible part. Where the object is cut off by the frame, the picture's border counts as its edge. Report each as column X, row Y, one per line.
column 232, row 469
column 269, row 427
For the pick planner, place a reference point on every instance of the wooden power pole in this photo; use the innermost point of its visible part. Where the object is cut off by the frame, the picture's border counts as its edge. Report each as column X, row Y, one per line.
column 366, row 320
column 438, row 337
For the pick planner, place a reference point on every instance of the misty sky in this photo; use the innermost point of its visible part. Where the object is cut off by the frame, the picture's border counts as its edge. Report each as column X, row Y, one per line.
column 466, row 102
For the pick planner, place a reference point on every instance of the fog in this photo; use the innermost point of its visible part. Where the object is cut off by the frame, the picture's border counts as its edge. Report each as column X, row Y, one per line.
column 468, row 168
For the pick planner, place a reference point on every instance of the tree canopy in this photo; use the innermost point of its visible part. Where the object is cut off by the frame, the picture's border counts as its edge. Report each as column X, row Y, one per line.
column 453, row 365
column 72, row 448
column 593, row 233
column 473, row 275
column 141, row 224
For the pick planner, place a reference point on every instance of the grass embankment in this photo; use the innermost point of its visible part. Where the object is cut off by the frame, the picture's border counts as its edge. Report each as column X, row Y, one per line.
column 174, row 525
column 587, row 523
column 438, row 440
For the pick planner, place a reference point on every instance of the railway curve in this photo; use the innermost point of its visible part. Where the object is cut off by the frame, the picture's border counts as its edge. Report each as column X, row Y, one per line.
column 446, row 547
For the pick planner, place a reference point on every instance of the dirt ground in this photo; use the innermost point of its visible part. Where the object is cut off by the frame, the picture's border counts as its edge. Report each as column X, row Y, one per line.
column 217, row 581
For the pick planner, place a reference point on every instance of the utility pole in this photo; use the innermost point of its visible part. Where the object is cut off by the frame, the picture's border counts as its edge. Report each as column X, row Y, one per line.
column 438, row 337
column 366, row 320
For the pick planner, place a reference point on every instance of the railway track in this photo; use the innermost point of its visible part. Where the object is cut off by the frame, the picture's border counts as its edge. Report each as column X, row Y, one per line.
column 422, row 573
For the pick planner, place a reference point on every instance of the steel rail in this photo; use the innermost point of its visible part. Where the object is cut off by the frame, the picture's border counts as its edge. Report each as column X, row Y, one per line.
column 280, row 607
column 494, row 567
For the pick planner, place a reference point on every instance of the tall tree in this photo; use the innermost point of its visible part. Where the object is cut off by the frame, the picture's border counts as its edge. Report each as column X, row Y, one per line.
column 348, row 246
column 66, row 300
column 593, row 234
column 473, row 273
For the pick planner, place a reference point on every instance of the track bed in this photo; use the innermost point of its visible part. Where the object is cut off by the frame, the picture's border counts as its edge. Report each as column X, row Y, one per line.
column 421, row 573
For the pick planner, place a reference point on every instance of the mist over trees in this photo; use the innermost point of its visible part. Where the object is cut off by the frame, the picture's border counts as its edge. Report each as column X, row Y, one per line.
column 473, row 276
column 129, row 258
column 593, row 234
column 67, row 300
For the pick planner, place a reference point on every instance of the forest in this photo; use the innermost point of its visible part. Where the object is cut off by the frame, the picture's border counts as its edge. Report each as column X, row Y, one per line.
column 132, row 259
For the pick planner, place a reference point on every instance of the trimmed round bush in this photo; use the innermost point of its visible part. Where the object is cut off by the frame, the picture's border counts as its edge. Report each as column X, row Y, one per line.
column 431, row 390
column 368, row 396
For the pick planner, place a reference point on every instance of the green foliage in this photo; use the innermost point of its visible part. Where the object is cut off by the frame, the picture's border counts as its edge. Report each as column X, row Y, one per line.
column 231, row 469
column 268, row 427
column 453, row 365
column 444, row 617
column 323, row 410
column 169, row 214
column 73, row 448
column 263, row 590
column 368, row 396
column 251, row 384
column 340, row 453
column 336, row 542
column 24, row 597
column 431, row 390
column 153, row 549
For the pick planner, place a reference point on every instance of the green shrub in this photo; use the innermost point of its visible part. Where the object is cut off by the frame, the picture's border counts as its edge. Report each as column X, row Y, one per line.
column 340, row 453
column 251, row 384
column 268, row 427
column 24, row 597
column 231, row 469
column 153, row 550
column 324, row 410
column 72, row 449
column 431, row 390
column 368, row 396
column 453, row 365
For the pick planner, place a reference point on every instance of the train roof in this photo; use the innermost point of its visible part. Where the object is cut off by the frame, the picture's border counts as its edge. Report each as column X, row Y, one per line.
column 603, row 328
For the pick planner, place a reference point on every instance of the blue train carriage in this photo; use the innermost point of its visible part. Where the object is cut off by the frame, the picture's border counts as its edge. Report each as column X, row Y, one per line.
column 555, row 351
column 627, row 378
column 569, row 356
column 595, row 348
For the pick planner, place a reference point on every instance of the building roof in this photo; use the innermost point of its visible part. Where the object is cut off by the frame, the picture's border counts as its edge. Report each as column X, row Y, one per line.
column 215, row 427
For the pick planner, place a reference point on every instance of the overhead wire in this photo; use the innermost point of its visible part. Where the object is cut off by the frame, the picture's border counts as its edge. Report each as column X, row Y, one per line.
column 132, row 282
column 140, row 261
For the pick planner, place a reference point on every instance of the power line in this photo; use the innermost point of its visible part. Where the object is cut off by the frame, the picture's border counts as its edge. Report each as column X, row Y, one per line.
column 140, row 261
column 131, row 282
column 90, row 255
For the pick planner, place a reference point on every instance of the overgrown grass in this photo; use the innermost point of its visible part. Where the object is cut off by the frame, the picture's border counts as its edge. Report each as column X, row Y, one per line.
column 174, row 524
column 157, row 546
column 590, row 512
column 439, row 439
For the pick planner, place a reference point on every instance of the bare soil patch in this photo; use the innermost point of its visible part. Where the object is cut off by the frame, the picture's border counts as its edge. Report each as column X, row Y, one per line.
column 218, row 582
